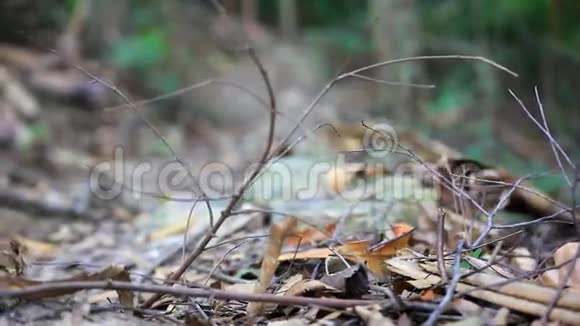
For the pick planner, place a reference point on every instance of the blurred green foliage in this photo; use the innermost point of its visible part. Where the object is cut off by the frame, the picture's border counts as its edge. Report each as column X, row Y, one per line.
column 530, row 36
column 142, row 51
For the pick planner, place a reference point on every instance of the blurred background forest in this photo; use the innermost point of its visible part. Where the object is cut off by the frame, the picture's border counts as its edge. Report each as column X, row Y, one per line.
column 185, row 66
column 149, row 48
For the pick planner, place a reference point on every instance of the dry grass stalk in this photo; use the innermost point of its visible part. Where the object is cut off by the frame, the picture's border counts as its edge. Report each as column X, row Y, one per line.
column 279, row 232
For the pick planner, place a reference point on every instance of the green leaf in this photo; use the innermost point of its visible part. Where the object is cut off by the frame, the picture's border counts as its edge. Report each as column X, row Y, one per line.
column 475, row 254
column 143, row 51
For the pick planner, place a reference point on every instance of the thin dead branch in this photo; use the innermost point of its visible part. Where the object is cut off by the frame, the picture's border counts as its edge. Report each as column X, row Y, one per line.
column 39, row 290
column 239, row 194
column 441, row 243
column 450, row 288
column 328, row 86
column 489, row 223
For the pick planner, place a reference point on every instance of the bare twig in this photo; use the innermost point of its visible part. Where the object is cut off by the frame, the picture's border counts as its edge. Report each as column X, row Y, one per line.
column 542, row 129
column 536, row 221
column 203, row 84
column 177, row 158
column 449, row 184
column 572, row 264
column 239, row 194
column 524, row 276
column 188, row 89
column 498, row 206
column 330, row 84
column 500, row 183
column 552, row 146
column 399, row 304
column 441, row 244
column 450, row 288
column 495, row 240
column 48, row 288
column 220, row 261
column 392, row 83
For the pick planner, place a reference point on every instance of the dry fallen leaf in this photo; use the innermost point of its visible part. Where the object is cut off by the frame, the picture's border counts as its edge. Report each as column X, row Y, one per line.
column 309, row 286
column 427, row 295
column 466, row 307
column 353, row 281
column 241, row 287
column 550, row 278
column 37, row 248
column 501, row 317
column 563, row 254
column 484, row 264
column 11, row 260
column 289, row 282
column 360, row 251
column 310, row 236
column 523, row 260
column 372, row 316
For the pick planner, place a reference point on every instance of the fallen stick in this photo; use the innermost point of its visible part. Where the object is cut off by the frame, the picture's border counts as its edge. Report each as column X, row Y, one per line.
column 520, row 289
column 522, row 305
column 47, row 289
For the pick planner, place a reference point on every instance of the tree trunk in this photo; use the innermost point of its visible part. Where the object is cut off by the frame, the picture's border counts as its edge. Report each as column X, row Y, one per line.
column 396, row 35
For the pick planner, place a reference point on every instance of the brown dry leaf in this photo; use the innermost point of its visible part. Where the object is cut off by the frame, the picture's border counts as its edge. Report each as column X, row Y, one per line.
column 278, row 233
column 563, row 254
column 11, row 260
column 550, row 278
column 471, row 321
column 375, row 256
column 360, row 252
column 501, row 317
column 241, row 287
column 353, row 281
column 466, row 308
column 421, row 284
column 289, row 283
column 311, row 236
column 372, row 316
column 308, row 254
column 519, row 296
column 101, row 296
column 37, row 248
column 483, row 264
column 14, row 282
column 290, row 322
column 309, row 286
column 526, row 199
column 524, row 260
column 118, row 273
column 427, row 295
